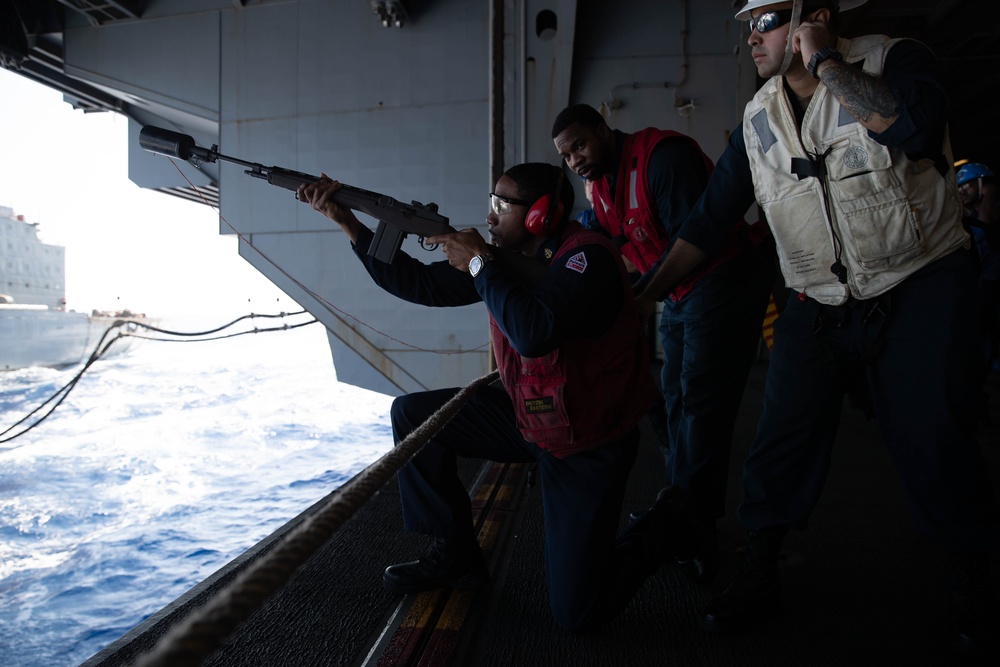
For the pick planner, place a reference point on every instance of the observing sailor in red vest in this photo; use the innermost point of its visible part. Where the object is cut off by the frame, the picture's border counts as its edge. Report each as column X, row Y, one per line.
column 575, row 383
column 644, row 185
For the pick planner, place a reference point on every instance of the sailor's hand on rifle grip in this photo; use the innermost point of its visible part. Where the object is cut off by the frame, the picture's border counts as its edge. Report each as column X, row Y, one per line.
column 460, row 247
column 319, row 195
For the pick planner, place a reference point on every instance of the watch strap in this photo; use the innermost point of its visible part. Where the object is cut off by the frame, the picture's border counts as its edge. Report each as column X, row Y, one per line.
column 820, row 57
column 483, row 259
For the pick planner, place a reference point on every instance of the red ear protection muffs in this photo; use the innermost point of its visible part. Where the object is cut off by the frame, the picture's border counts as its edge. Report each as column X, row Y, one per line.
column 547, row 210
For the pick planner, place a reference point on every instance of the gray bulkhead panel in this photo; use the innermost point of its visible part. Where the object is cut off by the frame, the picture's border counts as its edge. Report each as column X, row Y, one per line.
column 166, row 68
column 672, row 65
column 676, row 70
column 320, row 87
column 539, row 57
column 170, row 62
column 325, row 88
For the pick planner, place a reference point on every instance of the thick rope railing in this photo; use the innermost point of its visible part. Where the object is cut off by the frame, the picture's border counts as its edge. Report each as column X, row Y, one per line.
column 200, row 635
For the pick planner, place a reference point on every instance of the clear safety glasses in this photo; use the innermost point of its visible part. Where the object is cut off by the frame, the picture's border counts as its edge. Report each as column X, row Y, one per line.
column 770, row 20
column 501, row 205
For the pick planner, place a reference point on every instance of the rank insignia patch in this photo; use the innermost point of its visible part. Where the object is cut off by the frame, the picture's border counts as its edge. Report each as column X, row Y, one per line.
column 577, row 262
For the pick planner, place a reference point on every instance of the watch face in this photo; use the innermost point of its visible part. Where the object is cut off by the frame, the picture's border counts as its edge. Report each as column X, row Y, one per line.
column 475, row 265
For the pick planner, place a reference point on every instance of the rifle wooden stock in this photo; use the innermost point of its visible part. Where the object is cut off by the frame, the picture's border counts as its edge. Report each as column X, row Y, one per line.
column 396, row 219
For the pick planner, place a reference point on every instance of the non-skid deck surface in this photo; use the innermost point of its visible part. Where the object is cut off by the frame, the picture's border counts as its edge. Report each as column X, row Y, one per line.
column 861, row 587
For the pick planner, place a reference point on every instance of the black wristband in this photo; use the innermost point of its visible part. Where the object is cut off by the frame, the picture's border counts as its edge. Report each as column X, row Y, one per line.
column 821, row 56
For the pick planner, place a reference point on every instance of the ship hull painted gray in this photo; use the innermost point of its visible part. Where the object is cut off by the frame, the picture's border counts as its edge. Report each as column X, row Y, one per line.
column 42, row 338
column 35, row 327
column 57, row 339
column 433, row 111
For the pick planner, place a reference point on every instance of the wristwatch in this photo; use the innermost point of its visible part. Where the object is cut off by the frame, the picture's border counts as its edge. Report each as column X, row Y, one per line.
column 821, row 56
column 477, row 263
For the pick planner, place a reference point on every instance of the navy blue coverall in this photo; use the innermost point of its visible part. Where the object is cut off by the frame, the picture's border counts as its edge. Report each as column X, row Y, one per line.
column 916, row 350
column 709, row 336
column 590, row 577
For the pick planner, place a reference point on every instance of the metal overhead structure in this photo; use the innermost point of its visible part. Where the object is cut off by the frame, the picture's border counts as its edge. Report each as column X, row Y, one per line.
column 99, row 13
column 425, row 101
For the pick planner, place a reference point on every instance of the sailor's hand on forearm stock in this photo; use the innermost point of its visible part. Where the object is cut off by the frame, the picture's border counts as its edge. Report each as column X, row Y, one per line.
column 460, row 247
column 319, row 195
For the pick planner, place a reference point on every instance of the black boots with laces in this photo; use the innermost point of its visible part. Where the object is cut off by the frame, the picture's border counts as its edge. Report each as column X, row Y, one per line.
column 457, row 563
column 702, row 565
column 670, row 529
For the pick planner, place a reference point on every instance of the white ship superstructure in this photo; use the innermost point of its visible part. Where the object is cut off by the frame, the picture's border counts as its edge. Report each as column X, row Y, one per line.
column 36, row 329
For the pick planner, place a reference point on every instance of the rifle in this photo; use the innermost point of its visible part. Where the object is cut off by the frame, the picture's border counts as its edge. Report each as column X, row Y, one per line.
column 396, row 219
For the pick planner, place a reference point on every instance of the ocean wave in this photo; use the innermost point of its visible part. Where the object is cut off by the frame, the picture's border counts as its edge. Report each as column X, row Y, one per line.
column 159, row 468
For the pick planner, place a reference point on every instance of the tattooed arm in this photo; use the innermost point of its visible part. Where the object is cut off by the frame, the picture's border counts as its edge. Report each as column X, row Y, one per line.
column 918, row 123
column 868, row 98
column 864, row 96
column 905, row 107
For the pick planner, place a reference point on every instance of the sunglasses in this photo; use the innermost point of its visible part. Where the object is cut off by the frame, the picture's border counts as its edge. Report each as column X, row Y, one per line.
column 501, row 205
column 770, row 20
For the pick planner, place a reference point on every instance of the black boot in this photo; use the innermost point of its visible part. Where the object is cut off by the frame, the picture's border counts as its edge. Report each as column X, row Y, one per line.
column 755, row 595
column 697, row 549
column 702, row 565
column 450, row 562
column 671, row 528
column 974, row 611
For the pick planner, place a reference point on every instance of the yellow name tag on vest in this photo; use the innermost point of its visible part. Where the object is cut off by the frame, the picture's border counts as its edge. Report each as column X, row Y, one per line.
column 535, row 406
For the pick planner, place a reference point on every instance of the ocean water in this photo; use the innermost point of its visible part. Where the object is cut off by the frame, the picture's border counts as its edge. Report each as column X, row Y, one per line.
column 159, row 468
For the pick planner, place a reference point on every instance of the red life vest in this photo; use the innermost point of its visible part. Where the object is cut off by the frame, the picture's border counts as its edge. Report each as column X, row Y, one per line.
column 587, row 392
column 632, row 217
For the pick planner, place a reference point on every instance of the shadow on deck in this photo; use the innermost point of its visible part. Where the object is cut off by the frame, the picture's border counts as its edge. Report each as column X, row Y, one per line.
column 861, row 587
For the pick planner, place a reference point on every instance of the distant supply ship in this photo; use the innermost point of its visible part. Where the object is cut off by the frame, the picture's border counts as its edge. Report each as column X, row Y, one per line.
column 36, row 329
